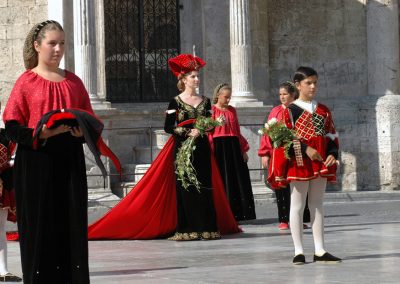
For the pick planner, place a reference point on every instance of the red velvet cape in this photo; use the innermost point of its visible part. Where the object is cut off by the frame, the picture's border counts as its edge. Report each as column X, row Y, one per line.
column 149, row 210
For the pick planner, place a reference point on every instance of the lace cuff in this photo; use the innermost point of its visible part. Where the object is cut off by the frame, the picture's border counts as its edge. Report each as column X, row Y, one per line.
column 181, row 131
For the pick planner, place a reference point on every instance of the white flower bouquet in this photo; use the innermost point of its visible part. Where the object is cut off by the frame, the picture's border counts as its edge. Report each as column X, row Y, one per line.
column 280, row 135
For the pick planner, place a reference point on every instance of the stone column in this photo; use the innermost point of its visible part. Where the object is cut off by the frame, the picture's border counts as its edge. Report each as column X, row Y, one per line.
column 85, row 48
column 87, row 69
column 55, row 12
column 100, row 50
column 383, row 47
column 383, row 87
column 241, row 67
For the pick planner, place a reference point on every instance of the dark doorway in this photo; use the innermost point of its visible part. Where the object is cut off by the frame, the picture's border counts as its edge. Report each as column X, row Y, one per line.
column 140, row 37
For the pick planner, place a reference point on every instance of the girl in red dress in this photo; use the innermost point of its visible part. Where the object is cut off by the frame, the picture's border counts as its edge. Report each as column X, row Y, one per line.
column 230, row 149
column 51, row 186
column 313, row 164
column 278, row 182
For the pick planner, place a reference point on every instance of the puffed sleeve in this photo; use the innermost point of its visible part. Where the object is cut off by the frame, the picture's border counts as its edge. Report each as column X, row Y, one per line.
column 170, row 120
column 265, row 142
column 16, row 114
column 17, row 108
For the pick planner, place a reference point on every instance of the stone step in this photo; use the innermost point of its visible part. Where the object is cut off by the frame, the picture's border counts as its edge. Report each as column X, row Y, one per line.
column 133, row 172
column 145, row 154
column 123, row 188
column 160, row 137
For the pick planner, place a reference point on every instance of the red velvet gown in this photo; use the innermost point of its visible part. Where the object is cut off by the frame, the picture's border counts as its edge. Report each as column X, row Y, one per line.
column 158, row 206
column 50, row 182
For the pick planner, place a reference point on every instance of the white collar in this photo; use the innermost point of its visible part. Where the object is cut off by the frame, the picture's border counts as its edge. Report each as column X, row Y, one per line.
column 308, row 106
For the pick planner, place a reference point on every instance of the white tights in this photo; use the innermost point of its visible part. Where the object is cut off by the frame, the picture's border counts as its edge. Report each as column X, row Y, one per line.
column 316, row 190
column 3, row 242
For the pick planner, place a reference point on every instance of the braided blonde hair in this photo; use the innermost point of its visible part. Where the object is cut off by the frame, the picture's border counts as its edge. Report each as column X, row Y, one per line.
column 218, row 89
column 37, row 33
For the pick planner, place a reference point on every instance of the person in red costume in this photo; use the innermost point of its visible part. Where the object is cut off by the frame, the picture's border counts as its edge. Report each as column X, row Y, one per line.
column 50, row 172
column 313, row 163
column 287, row 94
column 230, row 149
column 159, row 206
column 7, row 203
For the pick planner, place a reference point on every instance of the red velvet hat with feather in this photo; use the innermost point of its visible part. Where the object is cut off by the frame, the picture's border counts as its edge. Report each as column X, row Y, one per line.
column 185, row 63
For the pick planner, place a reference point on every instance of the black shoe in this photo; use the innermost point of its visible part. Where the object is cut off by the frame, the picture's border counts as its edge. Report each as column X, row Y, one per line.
column 299, row 259
column 327, row 257
column 9, row 277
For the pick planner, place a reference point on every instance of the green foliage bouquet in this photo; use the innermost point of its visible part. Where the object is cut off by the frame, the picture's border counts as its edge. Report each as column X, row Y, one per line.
column 280, row 135
column 184, row 167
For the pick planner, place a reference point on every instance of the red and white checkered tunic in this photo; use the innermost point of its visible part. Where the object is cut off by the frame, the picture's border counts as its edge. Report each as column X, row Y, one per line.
column 315, row 129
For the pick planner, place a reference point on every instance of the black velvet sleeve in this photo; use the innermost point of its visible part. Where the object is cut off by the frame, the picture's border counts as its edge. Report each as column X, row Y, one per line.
column 170, row 121
column 332, row 149
column 18, row 133
column 7, row 177
column 209, row 114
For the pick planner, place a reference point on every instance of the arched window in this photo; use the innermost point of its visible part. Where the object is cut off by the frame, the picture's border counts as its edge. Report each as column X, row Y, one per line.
column 140, row 37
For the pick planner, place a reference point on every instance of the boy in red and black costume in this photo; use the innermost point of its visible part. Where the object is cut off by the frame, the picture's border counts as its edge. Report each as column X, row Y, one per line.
column 313, row 162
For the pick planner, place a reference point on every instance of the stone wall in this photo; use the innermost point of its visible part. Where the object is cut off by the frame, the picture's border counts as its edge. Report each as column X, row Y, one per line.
column 330, row 36
column 260, row 49
column 205, row 24
column 16, row 18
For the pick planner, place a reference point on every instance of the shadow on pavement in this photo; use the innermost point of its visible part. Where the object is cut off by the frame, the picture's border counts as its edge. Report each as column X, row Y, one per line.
column 367, row 256
column 131, row 271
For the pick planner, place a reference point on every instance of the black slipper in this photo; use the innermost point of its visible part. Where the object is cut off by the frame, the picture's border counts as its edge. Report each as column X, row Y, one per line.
column 327, row 257
column 299, row 259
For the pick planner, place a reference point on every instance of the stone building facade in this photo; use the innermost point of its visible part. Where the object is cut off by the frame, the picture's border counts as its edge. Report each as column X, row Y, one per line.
column 255, row 45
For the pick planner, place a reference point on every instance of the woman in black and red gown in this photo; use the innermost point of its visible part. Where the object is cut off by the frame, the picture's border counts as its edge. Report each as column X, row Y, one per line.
column 158, row 206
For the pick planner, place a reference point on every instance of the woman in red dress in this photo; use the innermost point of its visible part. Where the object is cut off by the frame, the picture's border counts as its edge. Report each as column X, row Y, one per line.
column 50, row 171
column 313, row 164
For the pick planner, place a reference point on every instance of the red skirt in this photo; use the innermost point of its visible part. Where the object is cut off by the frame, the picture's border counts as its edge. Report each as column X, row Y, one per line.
column 311, row 170
column 277, row 170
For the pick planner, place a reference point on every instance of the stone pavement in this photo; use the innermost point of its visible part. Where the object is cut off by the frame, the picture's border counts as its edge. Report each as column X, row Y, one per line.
column 362, row 228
